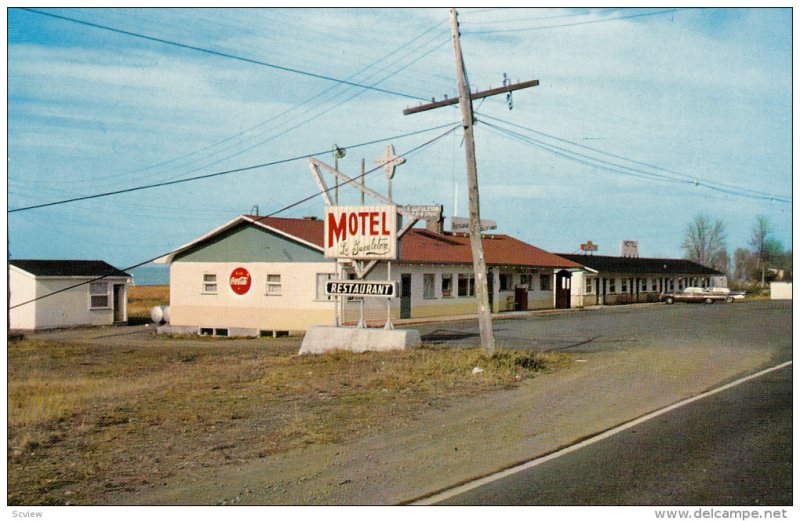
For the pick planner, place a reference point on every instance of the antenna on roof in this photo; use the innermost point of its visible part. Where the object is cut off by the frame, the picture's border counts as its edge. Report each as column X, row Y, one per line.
column 254, row 210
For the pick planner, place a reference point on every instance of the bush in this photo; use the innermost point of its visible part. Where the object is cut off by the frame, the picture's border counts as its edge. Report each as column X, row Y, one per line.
column 623, row 299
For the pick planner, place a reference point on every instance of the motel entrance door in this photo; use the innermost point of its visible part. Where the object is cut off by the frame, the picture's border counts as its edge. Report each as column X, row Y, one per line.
column 563, row 289
column 405, row 295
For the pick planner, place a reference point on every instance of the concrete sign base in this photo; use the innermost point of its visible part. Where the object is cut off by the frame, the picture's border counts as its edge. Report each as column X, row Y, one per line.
column 324, row 339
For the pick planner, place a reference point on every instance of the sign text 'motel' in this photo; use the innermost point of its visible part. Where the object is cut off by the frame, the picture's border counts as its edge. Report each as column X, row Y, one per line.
column 351, row 288
column 361, row 232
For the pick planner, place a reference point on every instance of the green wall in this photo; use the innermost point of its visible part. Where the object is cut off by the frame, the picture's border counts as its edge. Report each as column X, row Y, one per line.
column 249, row 243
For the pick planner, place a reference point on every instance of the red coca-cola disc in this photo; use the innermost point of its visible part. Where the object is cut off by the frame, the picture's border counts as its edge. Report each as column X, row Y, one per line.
column 240, row 281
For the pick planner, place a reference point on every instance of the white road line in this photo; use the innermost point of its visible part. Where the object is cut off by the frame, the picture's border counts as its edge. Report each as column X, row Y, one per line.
column 441, row 496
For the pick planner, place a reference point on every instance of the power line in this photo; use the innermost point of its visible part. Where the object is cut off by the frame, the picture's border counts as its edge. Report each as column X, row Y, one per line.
column 535, row 19
column 687, row 177
column 629, row 171
column 221, row 54
column 573, row 24
column 287, row 207
column 292, row 109
column 315, row 116
column 217, row 174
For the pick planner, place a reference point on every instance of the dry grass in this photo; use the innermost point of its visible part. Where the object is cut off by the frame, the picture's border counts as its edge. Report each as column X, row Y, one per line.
column 84, row 421
column 141, row 299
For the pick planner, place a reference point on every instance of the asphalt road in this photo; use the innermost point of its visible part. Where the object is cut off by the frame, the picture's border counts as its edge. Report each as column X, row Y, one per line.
column 731, row 448
column 620, row 327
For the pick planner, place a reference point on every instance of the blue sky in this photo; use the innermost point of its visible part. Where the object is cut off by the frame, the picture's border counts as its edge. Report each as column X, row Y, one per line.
column 694, row 94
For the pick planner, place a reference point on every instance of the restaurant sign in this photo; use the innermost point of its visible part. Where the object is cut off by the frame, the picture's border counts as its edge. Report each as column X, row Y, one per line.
column 354, row 288
column 361, row 232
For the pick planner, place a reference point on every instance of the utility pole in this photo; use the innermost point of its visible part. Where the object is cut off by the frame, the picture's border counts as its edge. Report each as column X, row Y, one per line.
column 465, row 100
column 478, row 260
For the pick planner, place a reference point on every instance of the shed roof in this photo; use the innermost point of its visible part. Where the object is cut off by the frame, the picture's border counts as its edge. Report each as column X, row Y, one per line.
column 609, row 264
column 418, row 245
column 67, row 268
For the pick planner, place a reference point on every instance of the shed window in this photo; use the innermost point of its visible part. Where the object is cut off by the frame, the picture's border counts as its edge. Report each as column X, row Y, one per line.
column 447, row 285
column 98, row 294
column 210, row 283
column 273, row 285
column 429, row 285
column 544, row 282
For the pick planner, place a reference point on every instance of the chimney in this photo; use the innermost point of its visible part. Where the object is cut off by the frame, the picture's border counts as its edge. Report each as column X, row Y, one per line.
column 435, row 225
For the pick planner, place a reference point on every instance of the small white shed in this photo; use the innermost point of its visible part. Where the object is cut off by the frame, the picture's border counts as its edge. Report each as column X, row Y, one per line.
column 65, row 293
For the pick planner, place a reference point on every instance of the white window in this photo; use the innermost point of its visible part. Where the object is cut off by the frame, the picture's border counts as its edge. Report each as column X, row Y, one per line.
column 210, row 283
column 447, row 285
column 624, row 288
column 98, row 295
column 589, row 286
column 273, row 285
column 612, row 285
column 429, row 285
column 525, row 280
column 322, row 278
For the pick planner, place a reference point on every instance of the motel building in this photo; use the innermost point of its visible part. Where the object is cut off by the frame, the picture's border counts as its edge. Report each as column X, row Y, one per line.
column 266, row 276
column 627, row 280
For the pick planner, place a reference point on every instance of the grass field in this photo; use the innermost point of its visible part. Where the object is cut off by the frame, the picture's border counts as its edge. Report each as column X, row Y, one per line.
column 141, row 299
column 84, row 421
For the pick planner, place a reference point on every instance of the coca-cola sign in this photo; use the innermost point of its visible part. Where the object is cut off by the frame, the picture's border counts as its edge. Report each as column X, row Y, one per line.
column 240, row 281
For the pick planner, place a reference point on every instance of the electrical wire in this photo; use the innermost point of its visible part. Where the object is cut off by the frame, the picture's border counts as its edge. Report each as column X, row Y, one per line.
column 221, row 54
column 624, row 170
column 537, row 18
column 409, row 152
column 686, row 177
column 573, row 24
column 217, row 174
column 292, row 109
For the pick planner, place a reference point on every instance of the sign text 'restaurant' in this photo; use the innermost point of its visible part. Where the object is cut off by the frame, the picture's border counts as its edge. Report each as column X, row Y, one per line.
column 351, row 288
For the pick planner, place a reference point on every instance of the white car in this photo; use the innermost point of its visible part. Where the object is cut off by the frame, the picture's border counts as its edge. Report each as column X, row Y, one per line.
column 731, row 295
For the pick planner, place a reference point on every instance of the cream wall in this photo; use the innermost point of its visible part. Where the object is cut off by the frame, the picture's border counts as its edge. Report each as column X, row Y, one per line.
column 375, row 308
column 23, row 289
column 295, row 308
column 780, row 290
column 66, row 309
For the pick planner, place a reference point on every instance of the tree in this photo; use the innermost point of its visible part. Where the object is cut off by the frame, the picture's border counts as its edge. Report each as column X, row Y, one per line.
column 704, row 243
column 744, row 263
column 764, row 246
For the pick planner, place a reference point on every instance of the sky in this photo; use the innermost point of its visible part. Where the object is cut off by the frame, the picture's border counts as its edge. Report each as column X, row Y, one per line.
column 639, row 112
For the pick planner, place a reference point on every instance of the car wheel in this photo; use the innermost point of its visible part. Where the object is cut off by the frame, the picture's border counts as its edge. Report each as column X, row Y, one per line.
column 729, row 300
column 709, row 301
column 669, row 300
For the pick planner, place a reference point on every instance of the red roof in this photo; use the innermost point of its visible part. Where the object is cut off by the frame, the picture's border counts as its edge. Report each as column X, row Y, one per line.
column 425, row 246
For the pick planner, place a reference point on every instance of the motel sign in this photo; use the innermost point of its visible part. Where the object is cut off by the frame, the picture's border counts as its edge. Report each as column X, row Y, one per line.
column 361, row 232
